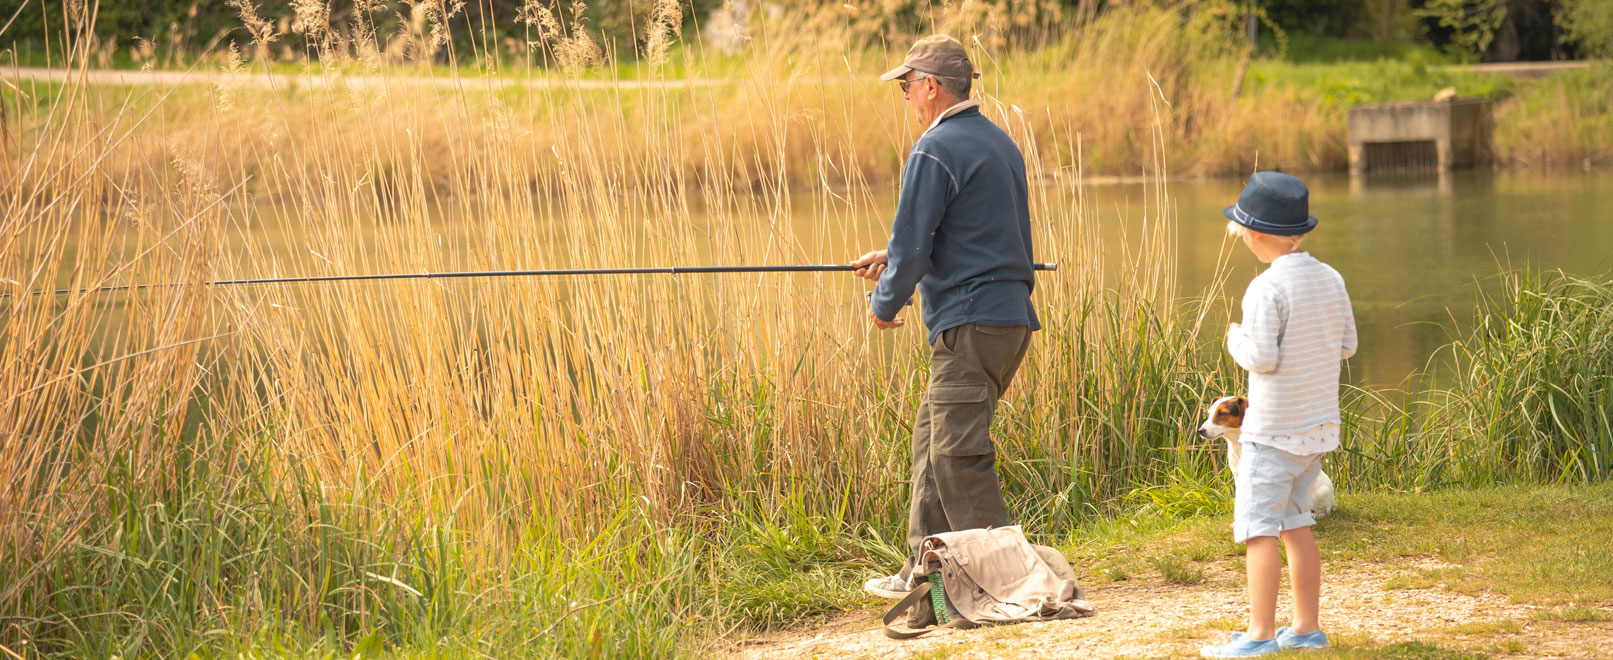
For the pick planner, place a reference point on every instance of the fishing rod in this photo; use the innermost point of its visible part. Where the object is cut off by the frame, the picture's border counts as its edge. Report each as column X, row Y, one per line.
column 671, row 270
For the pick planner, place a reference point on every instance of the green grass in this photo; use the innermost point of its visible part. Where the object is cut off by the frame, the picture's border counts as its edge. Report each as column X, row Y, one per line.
column 938, row 653
column 1561, row 121
column 186, row 558
column 1522, row 394
column 222, row 563
column 226, row 558
column 1401, row 651
column 1481, row 628
column 778, row 573
column 1534, row 382
column 1348, row 648
column 1207, row 628
column 1337, row 86
column 1176, row 569
column 1535, row 544
column 1573, row 614
column 185, row 561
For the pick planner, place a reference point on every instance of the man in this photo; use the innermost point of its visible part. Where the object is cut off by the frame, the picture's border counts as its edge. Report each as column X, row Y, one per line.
column 962, row 235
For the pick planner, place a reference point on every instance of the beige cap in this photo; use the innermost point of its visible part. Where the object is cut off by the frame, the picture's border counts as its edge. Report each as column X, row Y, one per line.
column 937, row 55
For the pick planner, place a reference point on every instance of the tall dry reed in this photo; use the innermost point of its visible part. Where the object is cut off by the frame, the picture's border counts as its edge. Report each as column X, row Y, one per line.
column 1091, row 73
column 508, row 406
column 567, row 466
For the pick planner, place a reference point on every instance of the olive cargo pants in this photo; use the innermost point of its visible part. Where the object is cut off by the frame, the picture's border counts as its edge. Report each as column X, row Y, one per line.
column 955, row 484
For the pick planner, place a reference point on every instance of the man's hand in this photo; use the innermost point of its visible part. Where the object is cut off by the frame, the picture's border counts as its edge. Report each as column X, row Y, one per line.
column 883, row 324
column 1234, row 330
column 870, row 266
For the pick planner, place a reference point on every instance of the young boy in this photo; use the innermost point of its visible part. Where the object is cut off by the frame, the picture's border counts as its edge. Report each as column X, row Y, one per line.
column 1297, row 327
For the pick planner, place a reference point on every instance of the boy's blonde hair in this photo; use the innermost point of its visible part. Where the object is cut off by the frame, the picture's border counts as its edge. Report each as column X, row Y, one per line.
column 1238, row 231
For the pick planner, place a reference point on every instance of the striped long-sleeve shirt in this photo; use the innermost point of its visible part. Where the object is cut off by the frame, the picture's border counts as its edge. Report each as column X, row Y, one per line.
column 1297, row 326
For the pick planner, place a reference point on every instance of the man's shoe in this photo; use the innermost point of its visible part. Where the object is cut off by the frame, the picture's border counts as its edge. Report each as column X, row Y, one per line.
column 892, row 587
column 1287, row 639
column 1240, row 646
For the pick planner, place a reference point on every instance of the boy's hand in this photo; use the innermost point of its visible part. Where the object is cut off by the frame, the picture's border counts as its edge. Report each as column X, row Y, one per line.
column 1234, row 330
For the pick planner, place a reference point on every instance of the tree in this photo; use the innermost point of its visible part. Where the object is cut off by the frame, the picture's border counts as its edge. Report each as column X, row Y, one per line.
column 1473, row 24
column 1495, row 30
column 1589, row 24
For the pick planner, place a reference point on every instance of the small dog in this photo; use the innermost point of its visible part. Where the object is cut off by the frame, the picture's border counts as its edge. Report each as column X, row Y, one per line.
column 1226, row 420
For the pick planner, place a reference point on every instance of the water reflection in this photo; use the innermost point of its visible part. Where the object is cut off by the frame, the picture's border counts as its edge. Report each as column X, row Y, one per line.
column 1415, row 248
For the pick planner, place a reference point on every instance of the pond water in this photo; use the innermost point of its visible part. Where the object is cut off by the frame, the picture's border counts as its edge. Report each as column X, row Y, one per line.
column 1414, row 250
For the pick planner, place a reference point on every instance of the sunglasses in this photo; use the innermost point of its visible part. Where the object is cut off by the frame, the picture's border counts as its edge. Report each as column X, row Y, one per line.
column 904, row 83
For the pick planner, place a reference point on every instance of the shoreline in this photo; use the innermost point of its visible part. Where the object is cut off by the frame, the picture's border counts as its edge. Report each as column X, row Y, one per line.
column 1293, row 119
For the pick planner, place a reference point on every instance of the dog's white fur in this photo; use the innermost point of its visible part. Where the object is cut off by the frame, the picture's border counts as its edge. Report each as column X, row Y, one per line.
column 1228, row 427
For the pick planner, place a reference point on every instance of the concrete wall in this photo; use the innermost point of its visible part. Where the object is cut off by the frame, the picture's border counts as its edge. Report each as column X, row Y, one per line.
column 1460, row 130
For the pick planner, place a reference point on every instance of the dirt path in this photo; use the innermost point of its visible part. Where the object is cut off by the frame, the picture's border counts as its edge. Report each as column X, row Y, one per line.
column 1523, row 69
column 1362, row 605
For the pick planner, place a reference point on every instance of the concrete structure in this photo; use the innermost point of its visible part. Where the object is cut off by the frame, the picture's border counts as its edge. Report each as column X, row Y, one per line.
column 1404, row 135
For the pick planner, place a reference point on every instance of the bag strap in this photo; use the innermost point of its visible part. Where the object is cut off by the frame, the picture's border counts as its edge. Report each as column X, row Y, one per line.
column 912, row 598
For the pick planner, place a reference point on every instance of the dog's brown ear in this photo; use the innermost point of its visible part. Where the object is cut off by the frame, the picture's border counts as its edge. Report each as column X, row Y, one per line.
column 1240, row 405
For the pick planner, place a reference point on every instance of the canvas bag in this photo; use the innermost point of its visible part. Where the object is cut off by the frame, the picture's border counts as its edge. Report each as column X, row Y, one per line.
column 988, row 577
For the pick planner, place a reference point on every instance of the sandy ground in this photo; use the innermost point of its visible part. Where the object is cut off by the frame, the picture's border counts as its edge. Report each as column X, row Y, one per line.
column 1149, row 618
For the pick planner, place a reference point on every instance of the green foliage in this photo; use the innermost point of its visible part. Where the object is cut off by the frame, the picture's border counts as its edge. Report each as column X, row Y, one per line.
column 126, row 20
column 1589, row 24
column 187, row 27
column 1473, row 23
column 1312, row 48
column 1334, row 18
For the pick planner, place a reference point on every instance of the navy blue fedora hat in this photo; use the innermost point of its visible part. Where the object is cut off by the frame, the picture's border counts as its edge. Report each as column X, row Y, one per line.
column 1274, row 203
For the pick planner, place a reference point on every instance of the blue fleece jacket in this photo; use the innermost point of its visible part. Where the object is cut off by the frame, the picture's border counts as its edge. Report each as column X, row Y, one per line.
column 962, row 232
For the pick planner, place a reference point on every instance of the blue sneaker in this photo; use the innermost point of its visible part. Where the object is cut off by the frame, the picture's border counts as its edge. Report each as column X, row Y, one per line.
column 1287, row 639
column 1240, row 646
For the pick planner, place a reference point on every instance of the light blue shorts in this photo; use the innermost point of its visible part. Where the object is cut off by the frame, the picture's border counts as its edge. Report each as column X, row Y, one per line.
column 1275, row 491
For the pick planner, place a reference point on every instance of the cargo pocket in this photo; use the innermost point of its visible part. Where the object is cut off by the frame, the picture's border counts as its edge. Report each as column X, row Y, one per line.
column 998, row 330
column 960, row 418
